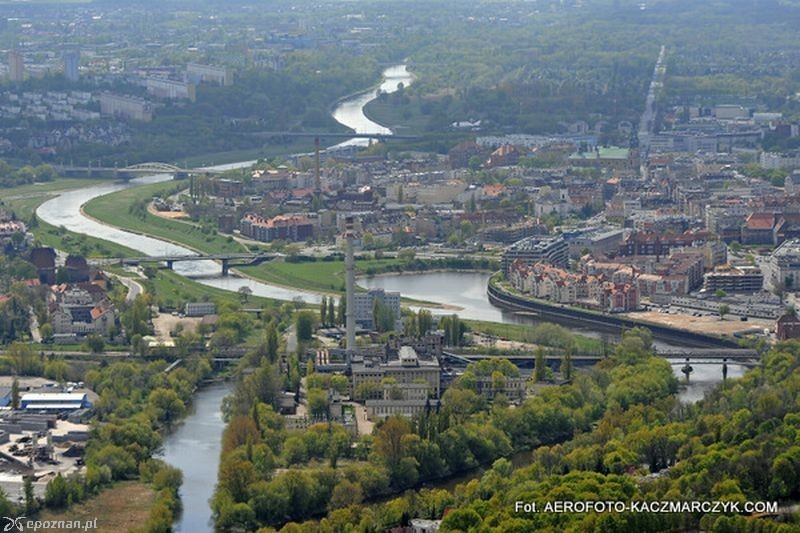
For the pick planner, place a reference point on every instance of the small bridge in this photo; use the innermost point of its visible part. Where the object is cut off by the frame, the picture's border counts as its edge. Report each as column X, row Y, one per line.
column 227, row 260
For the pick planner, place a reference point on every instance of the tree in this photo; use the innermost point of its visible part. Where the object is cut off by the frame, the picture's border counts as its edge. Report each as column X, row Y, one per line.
column 724, row 309
column 382, row 316
column 341, row 311
column 305, row 325
column 540, row 368
column 15, row 394
column 331, row 312
column 244, row 293
column 720, row 293
column 424, row 322
column 95, row 343
column 31, row 503
column 566, row 364
column 271, row 343
column 166, row 404
column 57, row 492
column 390, row 444
column 318, row 403
column 323, row 311
column 46, row 331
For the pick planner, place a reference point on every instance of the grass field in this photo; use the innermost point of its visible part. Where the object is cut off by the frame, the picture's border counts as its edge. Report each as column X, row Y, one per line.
column 402, row 119
column 25, row 199
column 123, row 507
column 523, row 333
column 172, row 288
column 322, row 276
column 298, row 145
column 114, row 209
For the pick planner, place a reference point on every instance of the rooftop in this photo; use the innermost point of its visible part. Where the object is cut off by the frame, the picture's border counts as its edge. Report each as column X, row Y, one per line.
column 608, row 152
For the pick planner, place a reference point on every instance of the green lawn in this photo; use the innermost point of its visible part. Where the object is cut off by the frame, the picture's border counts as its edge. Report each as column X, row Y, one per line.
column 298, row 145
column 322, row 276
column 25, row 199
column 523, row 333
column 171, row 289
column 402, row 119
column 114, row 209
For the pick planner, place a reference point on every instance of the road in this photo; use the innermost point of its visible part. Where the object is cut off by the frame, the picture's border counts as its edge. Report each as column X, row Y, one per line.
column 134, row 288
column 647, row 122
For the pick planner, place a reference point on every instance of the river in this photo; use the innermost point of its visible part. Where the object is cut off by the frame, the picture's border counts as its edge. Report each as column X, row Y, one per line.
column 467, row 291
column 194, row 446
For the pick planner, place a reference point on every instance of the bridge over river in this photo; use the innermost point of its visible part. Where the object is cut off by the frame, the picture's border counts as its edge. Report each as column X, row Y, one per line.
column 227, row 259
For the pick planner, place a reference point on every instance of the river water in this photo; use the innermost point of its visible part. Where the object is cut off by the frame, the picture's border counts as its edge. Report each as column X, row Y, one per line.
column 194, row 446
column 467, row 291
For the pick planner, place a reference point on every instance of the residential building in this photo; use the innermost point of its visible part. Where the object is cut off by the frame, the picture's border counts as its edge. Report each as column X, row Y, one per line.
column 44, row 259
column 82, row 309
column 197, row 73
column 282, row 227
column 127, row 107
column 741, row 279
column 72, row 60
column 782, row 271
column 786, row 160
column 365, row 307
column 16, row 66
column 788, row 327
column 552, row 250
column 171, row 89
column 612, row 158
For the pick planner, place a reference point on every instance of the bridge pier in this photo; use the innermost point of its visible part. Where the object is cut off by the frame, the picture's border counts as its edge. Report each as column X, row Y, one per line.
column 225, row 267
column 170, row 263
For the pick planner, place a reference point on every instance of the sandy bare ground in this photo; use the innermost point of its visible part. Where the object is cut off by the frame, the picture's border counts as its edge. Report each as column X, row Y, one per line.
column 703, row 324
column 165, row 322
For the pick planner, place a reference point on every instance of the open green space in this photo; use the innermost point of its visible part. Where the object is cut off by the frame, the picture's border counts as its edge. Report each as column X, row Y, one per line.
column 323, row 276
column 127, row 210
column 24, row 200
column 171, row 290
column 553, row 336
column 123, row 507
column 235, row 156
column 402, row 117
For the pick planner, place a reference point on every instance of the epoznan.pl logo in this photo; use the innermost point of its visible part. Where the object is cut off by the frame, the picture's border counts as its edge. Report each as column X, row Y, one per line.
column 17, row 524
column 14, row 524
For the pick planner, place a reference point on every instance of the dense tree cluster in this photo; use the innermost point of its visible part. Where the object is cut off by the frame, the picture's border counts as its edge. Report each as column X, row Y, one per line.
column 461, row 434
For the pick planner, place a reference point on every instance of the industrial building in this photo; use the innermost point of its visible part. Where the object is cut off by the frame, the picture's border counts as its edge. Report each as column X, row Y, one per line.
column 55, row 401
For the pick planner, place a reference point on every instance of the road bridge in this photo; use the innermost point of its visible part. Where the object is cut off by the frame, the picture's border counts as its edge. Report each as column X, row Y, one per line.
column 343, row 135
column 132, row 171
column 227, row 259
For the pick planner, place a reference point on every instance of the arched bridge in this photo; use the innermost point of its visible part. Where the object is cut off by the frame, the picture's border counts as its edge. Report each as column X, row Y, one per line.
column 131, row 171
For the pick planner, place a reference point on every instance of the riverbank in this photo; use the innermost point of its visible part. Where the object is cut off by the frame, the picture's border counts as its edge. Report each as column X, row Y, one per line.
column 503, row 298
column 127, row 210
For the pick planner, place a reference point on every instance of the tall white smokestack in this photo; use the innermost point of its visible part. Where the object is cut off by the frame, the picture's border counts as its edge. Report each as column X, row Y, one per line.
column 350, row 284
